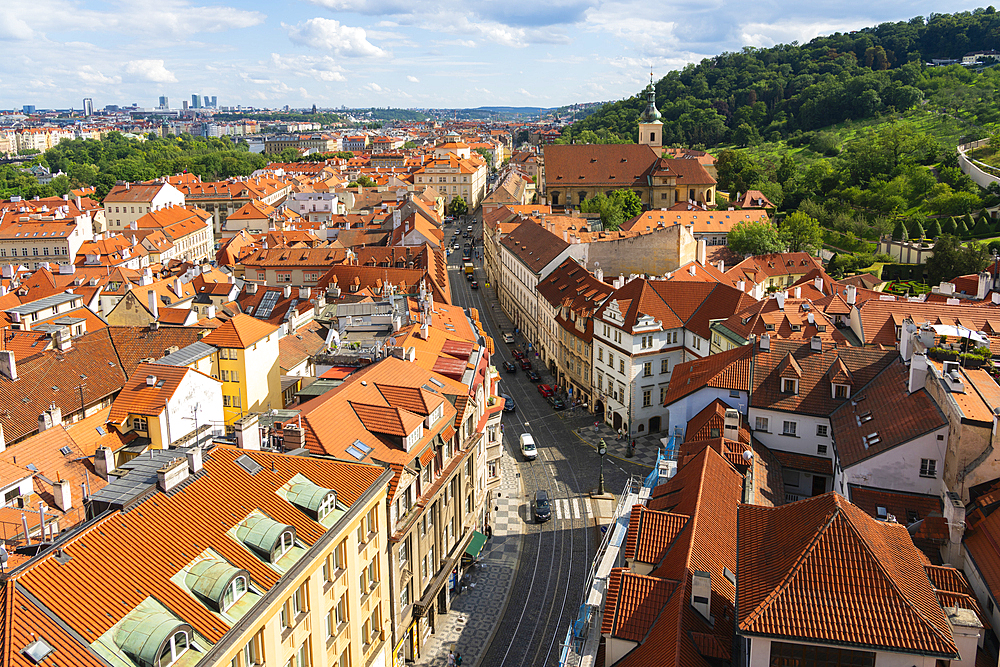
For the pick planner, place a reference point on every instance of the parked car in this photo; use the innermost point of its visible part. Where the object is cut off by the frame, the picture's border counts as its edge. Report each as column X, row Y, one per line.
column 508, row 338
column 556, row 402
column 469, row 229
column 528, row 448
column 541, row 506
column 546, row 390
column 508, row 403
column 474, row 285
column 509, row 367
column 525, row 365
column 517, row 354
column 533, row 376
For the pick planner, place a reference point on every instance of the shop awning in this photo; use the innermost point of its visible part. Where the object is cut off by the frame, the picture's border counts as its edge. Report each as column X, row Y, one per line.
column 476, row 544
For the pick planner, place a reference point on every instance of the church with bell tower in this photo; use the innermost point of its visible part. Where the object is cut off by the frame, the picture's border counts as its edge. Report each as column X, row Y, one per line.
column 651, row 120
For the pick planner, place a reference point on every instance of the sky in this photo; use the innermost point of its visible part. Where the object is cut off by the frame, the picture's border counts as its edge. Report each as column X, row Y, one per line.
column 389, row 53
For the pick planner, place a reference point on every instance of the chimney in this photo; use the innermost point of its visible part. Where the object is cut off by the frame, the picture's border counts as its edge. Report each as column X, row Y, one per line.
column 983, row 286
column 816, row 344
column 50, row 418
column 104, row 461
column 251, row 288
column 599, row 274
column 3, row 441
column 852, row 295
column 701, row 252
column 701, row 593
column 780, row 298
column 247, row 432
column 741, row 285
column 63, row 495
column 765, row 343
column 8, row 365
column 172, row 474
column 304, row 293
column 288, row 291
column 722, row 266
column 63, row 339
column 798, row 292
column 210, row 311
column 819, row 284
column 178, row 287
column 731, row 424
column 566, row 235
column 154, row 305
column 150, row 380
column 918, row 373
column 194, row 460
column 954, row 514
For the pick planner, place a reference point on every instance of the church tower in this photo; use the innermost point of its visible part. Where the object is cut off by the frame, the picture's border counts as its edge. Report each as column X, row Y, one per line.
column 650, row 123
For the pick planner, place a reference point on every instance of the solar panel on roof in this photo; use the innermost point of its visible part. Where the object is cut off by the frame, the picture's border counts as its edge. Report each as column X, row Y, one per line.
column 267, row 304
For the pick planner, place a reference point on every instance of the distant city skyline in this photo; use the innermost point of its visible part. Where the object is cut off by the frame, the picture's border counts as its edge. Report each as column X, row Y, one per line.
column 360, row 53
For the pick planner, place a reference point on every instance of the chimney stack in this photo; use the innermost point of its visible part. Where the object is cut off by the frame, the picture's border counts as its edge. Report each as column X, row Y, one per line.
column 154, row 305
column 50, row 418
column 765, row 342
column 247, row 432
column 819, row 284
column 852, row 295
column 63, row 495
column 8, row 365
column 194, row 459
column 104, row 461
column 172, row 474
column 701, row 252
column 780, row 298
column 798, row 292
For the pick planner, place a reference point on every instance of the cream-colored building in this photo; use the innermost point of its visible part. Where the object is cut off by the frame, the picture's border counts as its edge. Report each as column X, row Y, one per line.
column 288, row 572
column 453, row 176
column 126, row 203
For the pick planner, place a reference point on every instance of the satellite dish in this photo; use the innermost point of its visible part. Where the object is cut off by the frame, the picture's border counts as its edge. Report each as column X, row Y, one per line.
column 3, row 555
column 748, row 455
column 392, row 342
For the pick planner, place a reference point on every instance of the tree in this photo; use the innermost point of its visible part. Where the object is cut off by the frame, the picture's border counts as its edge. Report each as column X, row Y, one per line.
column 948, row 226
column 363, row 181
column 622, row 205
column 737, row 171
column 751, row 237
column 934, row 231
column 917, row 230
column 290, row 154
column 801, row 233
column 458, row 206
column 899, row 232
column 952, row 259
column 410, row 144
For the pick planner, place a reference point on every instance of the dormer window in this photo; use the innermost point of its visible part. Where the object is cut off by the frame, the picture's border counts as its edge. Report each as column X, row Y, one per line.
column 414, row 437
column 789, row 386
column 841, row 391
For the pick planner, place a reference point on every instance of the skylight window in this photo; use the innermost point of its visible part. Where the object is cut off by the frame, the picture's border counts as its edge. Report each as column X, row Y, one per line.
column 248, row 464
column 353, row 451
column 38, row 650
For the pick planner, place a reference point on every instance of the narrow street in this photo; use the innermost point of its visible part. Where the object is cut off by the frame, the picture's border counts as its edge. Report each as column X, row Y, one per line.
column 555, row 556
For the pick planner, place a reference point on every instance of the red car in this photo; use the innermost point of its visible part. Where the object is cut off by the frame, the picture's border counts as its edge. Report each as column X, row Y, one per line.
column 517, row 354
column 525, row 365
column 546, row 390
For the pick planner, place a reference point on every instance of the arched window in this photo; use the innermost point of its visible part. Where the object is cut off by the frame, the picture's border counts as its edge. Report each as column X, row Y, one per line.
column 328, row 505
column 174, row 648
column 287, row 542
column 234, row 591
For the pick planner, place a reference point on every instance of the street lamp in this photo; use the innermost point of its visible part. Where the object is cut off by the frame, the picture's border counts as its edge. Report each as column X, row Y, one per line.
column 602, row 449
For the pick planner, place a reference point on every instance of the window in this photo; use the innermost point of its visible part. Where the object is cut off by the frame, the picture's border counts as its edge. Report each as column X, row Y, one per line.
column 611, row 359
column 663, row 394
column 300, row 602
column 600, row 354
column 789, row 386
column 404, row 552
column 329, row 624
column 789, row 428
column 237, row 587
column 284, row 277
column 647, row 369
column 664, row 366
column 761, row 424
column 234, row 376
column 404, row 596
column 140, row 424
column 302, row 655
column 340, row 611
column 841, row 391
column 928, row 467
column 327, row 571
column 734, row 393
column 821, row 449
column 647, row 342
column 225, row 376
column 340, row 555
column 251, row 655
column 647, row 398
column 621, row 366
column 287, row 542
column 821, row 430
column 173, row 649
column 373, row 573
column 345, row 659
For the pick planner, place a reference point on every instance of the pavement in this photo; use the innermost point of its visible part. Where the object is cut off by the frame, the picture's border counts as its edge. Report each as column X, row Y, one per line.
column 646, row 446
column 469, row 625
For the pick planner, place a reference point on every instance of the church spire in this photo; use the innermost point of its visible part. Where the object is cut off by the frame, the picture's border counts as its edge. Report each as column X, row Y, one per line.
column 651, row 114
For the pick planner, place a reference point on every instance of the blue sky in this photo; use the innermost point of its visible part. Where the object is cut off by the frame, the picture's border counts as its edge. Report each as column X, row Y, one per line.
column 449, row 53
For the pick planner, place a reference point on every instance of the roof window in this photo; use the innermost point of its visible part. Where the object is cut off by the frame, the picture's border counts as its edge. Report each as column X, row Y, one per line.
column 217, row 582
column 38, row 650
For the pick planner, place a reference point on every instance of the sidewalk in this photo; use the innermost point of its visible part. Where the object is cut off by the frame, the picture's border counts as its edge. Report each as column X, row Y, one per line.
column 646, row 446
column 469, row 625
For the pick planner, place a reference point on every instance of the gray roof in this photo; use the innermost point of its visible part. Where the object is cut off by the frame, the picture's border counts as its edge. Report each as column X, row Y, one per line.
column 43, row 303
column 140, row 475
column 188, row 355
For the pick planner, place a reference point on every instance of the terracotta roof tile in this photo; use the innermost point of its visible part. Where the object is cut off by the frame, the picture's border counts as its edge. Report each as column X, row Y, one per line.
column 651, row 533
column 868, row 571
column 241, row 332
column 633, row 603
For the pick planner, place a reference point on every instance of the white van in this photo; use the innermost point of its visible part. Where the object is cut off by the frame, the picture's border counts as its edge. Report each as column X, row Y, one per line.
column 528, row 447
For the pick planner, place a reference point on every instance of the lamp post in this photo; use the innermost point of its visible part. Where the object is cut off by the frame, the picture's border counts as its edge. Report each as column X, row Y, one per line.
column 602, row 449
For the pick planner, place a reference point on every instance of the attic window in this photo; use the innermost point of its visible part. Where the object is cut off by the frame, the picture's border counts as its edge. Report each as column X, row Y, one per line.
column 65, row 450
column 796, row 327
column 789, row 386
column 871, row 439
column 248, row 464
column 866, row 417
column 769, row 327
column 38, row 650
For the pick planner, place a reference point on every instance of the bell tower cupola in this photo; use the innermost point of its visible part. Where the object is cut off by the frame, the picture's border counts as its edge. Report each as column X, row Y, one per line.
column 650, row 122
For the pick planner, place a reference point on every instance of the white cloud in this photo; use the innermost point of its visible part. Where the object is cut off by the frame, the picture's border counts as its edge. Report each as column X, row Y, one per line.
column 374, row 87
column 331, row 35
column 13, row 27
column 412, row 79
column 323, row 68
column 90, row 75
column 149, row 70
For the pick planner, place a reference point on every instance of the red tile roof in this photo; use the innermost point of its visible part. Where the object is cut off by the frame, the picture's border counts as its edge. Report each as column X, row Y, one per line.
column 731, row 369
column 241, row 332
column 633, row 603
column 868, row 573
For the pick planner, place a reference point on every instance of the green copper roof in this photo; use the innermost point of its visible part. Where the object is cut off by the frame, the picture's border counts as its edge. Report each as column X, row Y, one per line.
column 651, row 114
column 261, row 533
column 308, row 496
column 142, row 635
column 209, row 579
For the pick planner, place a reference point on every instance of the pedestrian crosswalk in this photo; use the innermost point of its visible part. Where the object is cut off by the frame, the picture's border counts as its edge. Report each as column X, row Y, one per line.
column 572, row 508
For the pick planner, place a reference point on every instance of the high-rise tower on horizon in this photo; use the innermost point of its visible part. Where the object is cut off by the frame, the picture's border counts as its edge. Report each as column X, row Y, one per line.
column 88, row 106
